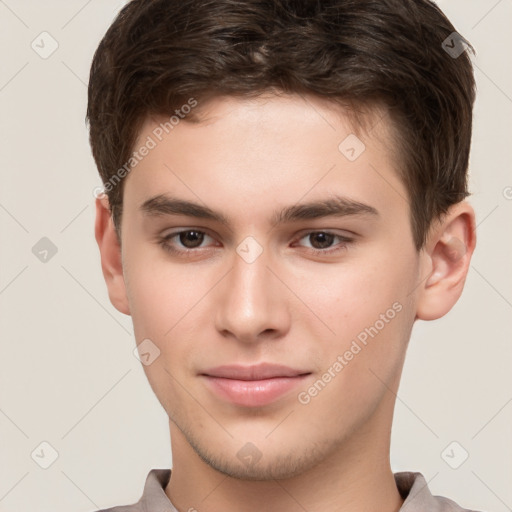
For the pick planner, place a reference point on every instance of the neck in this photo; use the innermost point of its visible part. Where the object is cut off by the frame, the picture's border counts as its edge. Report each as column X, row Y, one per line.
column 356, row 476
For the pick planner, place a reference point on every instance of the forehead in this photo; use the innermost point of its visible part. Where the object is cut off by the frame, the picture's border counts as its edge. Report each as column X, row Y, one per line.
column 268, row 106
column 285, row 115
column 259, row 151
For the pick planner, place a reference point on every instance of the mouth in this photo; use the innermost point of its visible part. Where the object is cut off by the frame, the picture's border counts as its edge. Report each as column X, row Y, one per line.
column 253, row 386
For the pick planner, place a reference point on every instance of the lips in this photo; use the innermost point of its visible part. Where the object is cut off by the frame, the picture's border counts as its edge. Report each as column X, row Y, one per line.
column 253, row 386
column 256, row 372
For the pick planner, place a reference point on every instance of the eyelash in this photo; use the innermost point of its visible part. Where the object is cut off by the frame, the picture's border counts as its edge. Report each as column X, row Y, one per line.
column 344, row 242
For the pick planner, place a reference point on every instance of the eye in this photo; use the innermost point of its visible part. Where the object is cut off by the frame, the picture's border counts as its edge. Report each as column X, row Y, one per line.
column 184, row 241
column 188, row 241
column 321, row 241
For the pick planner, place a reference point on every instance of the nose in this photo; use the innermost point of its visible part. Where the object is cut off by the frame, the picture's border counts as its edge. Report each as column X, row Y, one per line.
column 251, row 302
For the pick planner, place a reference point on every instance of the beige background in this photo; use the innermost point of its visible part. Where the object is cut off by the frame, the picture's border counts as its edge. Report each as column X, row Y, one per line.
column 68, row 376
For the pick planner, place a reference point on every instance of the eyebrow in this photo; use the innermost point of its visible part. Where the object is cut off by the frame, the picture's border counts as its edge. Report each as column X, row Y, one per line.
column 337, row 206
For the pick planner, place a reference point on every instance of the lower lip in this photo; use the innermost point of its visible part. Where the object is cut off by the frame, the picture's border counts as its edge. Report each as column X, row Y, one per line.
column 253, row 393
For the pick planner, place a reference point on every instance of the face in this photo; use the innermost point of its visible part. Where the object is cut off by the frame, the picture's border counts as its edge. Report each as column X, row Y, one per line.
column 270, row 244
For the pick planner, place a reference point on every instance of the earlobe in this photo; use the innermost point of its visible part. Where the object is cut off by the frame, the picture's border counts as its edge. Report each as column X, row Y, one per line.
column 110, row 252
column 447, row 255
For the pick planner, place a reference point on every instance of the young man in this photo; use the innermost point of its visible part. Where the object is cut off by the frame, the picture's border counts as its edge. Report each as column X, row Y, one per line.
column 285, row 185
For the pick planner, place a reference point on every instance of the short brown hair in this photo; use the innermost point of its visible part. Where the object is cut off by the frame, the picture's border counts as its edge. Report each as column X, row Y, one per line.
column 157, row 54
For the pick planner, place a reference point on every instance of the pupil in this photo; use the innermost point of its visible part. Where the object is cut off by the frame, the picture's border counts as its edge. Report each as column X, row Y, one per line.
column 195, row 237
column 324, row 238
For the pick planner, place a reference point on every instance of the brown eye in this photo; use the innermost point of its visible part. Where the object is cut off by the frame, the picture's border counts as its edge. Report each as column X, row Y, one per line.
column 191, row 238
column 321, row 240
column 185, row 242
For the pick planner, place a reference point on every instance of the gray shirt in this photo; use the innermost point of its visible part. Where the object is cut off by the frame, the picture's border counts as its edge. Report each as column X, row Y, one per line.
column 412, row 487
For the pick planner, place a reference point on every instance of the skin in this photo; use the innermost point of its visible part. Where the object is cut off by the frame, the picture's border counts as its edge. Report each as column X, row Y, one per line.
column 292, row 306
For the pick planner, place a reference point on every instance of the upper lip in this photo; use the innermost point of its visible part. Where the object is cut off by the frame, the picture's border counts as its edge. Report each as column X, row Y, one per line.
column 255, row 372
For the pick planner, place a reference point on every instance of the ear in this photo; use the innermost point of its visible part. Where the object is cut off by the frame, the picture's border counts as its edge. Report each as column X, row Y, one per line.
column 111, row 259
column 446, row 258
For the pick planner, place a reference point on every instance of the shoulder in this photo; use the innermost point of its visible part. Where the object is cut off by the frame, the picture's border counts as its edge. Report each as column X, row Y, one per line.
column 417, row 497
column 135, row 507
column 122, row 508
column 152, row 496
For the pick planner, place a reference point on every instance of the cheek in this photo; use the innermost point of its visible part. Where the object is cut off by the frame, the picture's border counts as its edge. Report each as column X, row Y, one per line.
column 160, row 293
column 160, row 297
column 369, row 310
column 349, row 298
column 372, row 319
